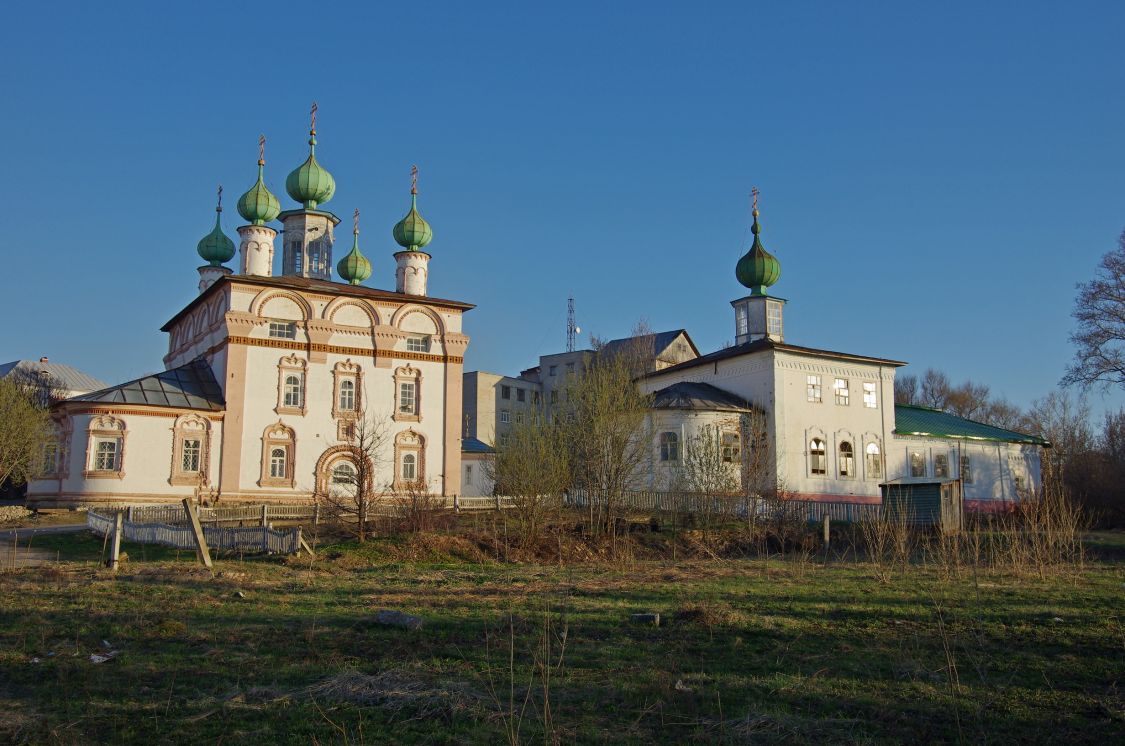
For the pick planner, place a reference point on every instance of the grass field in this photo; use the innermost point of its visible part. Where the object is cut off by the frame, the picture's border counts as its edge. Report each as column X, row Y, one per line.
column 781, row 650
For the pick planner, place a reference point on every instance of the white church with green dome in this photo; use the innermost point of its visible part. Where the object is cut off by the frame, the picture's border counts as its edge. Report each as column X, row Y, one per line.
column 268, row 375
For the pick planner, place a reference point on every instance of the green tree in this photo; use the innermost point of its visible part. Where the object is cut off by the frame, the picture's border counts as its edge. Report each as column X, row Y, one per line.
column 25, row 431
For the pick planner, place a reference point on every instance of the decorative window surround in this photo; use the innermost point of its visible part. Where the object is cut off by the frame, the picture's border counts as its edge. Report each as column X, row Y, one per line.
column 287, row 367
column 846, row 460
column 350, row 372
column 410, row 443
column 278, row 472
column 188, row 429
column 102, row 431
column 818, row 456
column 873, row 461
column 669, row 446
column 403, row 411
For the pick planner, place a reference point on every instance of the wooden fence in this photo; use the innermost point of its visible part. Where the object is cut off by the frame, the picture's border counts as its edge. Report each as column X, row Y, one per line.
column 261, row 514
column 731, row 506
column 248, row 539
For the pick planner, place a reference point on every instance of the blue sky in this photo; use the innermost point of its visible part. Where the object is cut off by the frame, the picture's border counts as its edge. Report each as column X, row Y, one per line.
column 935, row 178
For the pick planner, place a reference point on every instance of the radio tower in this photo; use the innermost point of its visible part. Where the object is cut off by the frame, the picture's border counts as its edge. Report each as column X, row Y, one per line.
column 571, row 328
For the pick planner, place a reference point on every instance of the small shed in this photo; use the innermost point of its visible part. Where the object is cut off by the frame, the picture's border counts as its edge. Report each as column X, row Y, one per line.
column 937, row 503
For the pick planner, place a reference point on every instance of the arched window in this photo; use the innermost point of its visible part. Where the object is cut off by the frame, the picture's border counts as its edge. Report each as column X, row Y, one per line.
column 293, row 390
column 847, row 460
column 347, row 395
column 343, row 473
column 278, row 463
column 669, row 446
column 192, row 449
column 874, row 463
column 818, row 460
column 409, row 467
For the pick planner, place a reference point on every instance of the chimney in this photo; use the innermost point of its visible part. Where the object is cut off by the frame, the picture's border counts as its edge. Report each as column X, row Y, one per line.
column 43, row 359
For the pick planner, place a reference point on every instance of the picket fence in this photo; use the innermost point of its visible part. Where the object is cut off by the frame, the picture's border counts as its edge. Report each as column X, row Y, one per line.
column 226, row 514
column 248, row 539
column 732, row 506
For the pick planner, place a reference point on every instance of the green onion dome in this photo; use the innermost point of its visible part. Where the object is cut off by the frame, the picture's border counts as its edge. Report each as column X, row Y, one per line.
column 757, row 269
column 412, row 232
column 311, row 184
column 355, row 267
column 215, row 247
column 259, row 205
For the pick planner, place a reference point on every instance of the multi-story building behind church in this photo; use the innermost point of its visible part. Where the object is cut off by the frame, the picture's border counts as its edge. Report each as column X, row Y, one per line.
column 267, row 376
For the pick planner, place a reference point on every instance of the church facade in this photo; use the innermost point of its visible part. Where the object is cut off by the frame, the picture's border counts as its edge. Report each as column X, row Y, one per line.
column 268, row 377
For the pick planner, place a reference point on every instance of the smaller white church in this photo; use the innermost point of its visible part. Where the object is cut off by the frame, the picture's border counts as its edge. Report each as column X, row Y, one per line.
column 267, row 376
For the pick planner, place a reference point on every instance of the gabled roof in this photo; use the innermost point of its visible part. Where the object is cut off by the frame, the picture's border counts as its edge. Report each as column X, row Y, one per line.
column 652, row 344
column 911, row 419
column 309, row 284
column 191, row 386
column 64, row 376
column 700, row 396
column 761, row 345
column 473, row 445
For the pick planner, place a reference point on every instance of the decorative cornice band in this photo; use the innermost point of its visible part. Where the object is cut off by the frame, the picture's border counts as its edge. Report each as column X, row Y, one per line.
column 288, row 344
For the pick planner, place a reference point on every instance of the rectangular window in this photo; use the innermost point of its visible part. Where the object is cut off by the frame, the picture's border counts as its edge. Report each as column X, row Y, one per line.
column 570, row 367
column 941, row 466
column 278, row 461
column 469, row 474
column 669, row 447
column 105, row 455
column 50, row 458
column 519, row 418
column 842, row 393
column 869, row 399
column 418, row 343
column 554, row 369
column 503, row 439
column 505, row 392
column 812, row 388
column 773, row 319
column 283, row 330
column 505, row 418
column 294, row 389
column 966, row 470
column 407, row 397
column 742, row 323
column 917, row 464
column 189, row 460
column 732, row 452
column 347, row 395
column 521, row 395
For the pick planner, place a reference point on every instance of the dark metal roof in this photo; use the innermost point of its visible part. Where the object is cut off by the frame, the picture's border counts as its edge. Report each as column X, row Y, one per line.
column 65, row 376
column 473, row 445
column 652, row 344
column 293, row 282
column 191, row 386
column 761, row 345
column 704, row 396
column 911, row 419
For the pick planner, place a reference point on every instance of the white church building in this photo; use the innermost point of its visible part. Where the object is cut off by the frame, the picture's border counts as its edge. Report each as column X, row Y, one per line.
column 267, row 376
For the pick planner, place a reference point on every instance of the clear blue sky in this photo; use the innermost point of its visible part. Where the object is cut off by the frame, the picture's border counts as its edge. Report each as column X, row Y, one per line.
column 935, row 178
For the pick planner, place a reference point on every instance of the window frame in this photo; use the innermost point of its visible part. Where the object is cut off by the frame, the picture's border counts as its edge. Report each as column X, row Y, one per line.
column 418, row 343
column 941, row 466
column 282, row 329
column 105, row 429
column 287, row 367
column 407, row 376
column 845, row 460
column 818, row 456
column 918, row 467
column 965, row 466
column 873, row 459
column 669, row 447
column 813, row 388
column 870, row 395
column 842, row 394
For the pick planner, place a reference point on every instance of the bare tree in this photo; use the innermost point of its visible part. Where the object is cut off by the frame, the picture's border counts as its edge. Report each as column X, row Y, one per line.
column 1100, row 337
column 906, row 389
column 40, row 386
column 533, row 468
column 356, row 482
column 25, row 432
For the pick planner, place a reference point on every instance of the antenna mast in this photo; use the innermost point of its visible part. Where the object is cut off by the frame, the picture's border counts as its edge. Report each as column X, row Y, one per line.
column 571, row 327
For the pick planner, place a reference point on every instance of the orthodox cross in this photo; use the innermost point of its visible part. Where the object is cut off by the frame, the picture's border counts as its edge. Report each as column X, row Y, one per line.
column 312, row 118
column 262, row 149
column 355, row 222
column 219, row 207
column 754, row 193
column 413, row 179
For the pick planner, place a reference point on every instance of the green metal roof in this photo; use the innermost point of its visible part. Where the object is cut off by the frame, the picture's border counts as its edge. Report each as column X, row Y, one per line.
column 911, row 419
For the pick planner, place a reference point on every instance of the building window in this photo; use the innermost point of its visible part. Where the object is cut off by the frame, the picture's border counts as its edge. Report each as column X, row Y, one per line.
column 869, row 399
column 294, row 390
column 278, row 463
column 408, row 394
column 669, row 447
column 291, row 385
column 554, row 397
column 917, row 464
column 505, row 418
column 941, row 466
column 190, row 438
column 773, row 319
column 812, row 388
column 818, row 457
column 105, row 455
column 521, row 395
column 105, row 449
column 190, row 456
column 347, row 395
column 840, row 387
column 731, row 448
column 519, row 418
column 741, row 322
column 343, row 473
column 554, row 369
column 874, row 462
column 50, row 459
column 503, row 440
column 418, row 343
column 469, row 474
column 966, row 469
column 847, row 460
column 410, row 455
column 534, row 397
column 283, row 330
column 505, row 392
column 570, row 368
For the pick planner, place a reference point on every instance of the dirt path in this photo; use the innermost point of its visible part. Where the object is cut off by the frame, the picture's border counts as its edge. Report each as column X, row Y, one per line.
column 14, row 551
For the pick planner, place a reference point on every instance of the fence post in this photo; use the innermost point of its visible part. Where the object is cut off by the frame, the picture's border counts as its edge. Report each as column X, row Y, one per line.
column 497, row 503
column 265, row 514
column 129, row 514
column 456, row 505
column 197, row 534
column 115, row 552
column 316, row 514
column 827, row 530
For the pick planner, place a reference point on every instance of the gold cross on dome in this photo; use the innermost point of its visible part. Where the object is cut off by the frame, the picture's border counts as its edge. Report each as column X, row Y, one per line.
column 355, row 221
column 262, row 148
column 312, row 118
column 413, row 179
column 754, row 192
